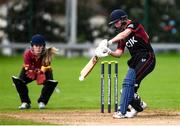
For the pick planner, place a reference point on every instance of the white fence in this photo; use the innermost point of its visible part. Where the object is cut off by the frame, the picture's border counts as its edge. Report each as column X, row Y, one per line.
column 164, row 47
column 64, row 49
column 81, row 49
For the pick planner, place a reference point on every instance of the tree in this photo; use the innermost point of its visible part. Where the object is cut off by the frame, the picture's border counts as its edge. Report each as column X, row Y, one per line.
column 28, row 17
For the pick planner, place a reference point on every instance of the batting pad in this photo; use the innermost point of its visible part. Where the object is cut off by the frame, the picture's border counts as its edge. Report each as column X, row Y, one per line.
column 127, row 90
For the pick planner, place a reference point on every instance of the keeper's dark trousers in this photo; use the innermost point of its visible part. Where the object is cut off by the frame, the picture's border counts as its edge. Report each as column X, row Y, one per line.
column 143, row 64
column 46, row 91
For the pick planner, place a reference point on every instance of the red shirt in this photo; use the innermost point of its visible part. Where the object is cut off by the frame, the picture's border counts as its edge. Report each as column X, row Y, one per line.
column 137, row 41
column 31, row 61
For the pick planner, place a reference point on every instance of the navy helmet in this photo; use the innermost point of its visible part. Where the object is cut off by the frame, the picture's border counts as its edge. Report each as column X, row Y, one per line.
column 117, row 15
column 38, row 40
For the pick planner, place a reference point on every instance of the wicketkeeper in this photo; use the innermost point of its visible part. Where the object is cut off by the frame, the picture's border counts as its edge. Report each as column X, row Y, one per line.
column 37, row 66
column 131, row 35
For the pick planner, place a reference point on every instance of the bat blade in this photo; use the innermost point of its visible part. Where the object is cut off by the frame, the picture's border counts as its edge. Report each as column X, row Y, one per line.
column 88, row 68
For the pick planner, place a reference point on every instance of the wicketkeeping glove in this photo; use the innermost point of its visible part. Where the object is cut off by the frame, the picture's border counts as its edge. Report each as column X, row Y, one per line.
column 31, row 74
column 41, row 77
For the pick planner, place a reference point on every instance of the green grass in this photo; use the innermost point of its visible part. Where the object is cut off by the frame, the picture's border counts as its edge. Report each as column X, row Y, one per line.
column 4, row 120
column 161, row 89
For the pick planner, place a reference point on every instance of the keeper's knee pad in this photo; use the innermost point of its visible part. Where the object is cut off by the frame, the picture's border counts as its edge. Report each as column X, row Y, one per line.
column 21, row 89
column 52, row 83
column 127, row 90
column 17, row 81
column 47, row 90
column 49, row 86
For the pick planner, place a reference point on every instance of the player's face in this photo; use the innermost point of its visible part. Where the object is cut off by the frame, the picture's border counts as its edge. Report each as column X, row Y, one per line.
column 118, row 24
column 37, row 49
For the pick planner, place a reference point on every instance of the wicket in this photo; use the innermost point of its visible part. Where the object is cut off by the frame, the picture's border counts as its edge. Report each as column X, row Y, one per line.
column 109, row 85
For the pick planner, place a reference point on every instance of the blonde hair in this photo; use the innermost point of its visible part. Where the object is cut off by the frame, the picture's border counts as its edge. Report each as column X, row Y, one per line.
column 47, row 56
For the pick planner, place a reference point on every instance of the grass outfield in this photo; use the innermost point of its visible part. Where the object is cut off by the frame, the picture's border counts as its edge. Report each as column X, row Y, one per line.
column 161, row 89
column 6, row 120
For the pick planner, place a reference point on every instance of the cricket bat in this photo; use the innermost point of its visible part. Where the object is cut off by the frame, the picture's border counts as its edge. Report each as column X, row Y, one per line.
column 89, row 66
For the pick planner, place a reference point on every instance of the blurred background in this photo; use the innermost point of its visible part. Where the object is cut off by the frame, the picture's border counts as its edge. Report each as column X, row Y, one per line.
column 76, row 26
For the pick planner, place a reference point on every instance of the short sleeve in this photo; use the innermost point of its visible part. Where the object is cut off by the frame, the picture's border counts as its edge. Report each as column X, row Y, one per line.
column 134, row 26
column 27, row 57
column 121, row 45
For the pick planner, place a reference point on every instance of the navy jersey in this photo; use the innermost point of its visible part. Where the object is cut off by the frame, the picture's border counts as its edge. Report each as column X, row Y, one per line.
column 137, row 41
column 138, row 45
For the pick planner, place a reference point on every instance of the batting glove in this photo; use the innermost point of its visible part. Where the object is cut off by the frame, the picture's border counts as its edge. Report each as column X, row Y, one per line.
column 103, row 43
column 106, row 50
column 102, row 51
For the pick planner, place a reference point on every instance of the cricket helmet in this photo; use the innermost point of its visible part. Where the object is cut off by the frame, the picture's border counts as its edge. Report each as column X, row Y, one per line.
column 117, row 15
column 38, row 40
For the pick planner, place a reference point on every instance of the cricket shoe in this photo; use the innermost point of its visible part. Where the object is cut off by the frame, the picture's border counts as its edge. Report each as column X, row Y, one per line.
column 41, row 105
column 118, row 115
column 132, row 113
column 128, row 109
column 25, row 105
column 143, row 105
